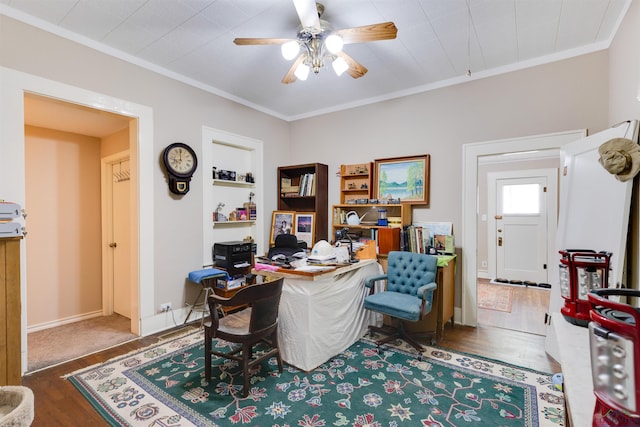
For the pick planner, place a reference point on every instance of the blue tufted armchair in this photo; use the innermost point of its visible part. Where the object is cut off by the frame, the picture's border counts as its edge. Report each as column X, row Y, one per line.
column 409, row 293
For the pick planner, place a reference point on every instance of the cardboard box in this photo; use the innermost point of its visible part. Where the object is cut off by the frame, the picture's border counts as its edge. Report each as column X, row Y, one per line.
column 232, row 284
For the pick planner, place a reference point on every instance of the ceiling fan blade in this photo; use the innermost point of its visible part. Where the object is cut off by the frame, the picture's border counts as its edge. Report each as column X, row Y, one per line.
column 368, row 33
column 356, row 70
column 308, row 13
column 259, row 41
column 290, row 77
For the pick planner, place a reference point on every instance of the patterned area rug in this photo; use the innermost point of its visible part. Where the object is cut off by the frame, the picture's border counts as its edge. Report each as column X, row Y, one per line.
column 495, row 297
column 163, row 385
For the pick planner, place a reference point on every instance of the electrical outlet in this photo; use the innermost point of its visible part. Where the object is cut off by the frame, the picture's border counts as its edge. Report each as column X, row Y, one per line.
column 165, row 307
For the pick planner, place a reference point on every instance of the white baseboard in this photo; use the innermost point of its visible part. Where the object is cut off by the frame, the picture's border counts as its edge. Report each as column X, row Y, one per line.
column 483, row 275
column 163, row 321
column 65, row 321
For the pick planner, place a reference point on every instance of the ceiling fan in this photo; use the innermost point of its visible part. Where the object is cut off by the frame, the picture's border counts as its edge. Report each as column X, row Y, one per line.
column 320, row 44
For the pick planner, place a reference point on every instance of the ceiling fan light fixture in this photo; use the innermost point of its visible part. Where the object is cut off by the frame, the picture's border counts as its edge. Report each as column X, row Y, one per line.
column 290, row 49
column 339, row 66
column 302, row 71
column 334, row 43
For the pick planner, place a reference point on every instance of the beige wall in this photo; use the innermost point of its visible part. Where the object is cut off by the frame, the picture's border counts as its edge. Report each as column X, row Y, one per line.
column 115, row 143
column 566, row 95
column 64, row 254
column 179, row 113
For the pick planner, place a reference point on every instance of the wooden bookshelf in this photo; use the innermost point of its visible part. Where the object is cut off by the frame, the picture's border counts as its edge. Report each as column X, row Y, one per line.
column 355, row 182
column 297, row 193
column 398, row 216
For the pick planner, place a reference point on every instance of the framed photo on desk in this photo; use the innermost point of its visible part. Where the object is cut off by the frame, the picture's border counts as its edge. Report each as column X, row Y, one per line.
column 281, row 223
column 305, row 227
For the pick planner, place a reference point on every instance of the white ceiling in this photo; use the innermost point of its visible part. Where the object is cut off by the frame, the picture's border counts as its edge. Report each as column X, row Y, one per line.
column 437, row 42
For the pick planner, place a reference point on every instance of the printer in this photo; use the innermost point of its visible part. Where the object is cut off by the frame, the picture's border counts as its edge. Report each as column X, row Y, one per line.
column 235, row 257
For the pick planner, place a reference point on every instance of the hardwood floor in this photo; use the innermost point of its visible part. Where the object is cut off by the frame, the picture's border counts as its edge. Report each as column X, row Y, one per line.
column 528, row 309
column 58, row 403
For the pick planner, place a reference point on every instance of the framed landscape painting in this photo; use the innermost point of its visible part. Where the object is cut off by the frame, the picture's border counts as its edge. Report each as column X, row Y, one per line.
column 403, row 178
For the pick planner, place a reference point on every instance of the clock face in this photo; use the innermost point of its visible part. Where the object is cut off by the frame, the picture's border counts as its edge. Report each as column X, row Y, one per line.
column 180, row 160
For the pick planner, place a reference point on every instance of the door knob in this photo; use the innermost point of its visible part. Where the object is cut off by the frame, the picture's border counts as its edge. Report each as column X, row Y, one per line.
column 113, row 245
column 498, row 217
column 499, row 230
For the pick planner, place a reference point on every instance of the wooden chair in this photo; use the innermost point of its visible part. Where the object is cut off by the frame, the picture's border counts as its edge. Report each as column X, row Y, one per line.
column 408, row 296
column 255, row 324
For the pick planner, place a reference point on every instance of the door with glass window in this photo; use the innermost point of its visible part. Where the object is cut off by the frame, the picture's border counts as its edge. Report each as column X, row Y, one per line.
column 523, row 226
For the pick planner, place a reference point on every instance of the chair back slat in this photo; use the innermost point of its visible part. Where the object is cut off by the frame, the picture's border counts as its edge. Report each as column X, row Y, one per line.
column 408, row 271
column 263, row 298
column 264, row 311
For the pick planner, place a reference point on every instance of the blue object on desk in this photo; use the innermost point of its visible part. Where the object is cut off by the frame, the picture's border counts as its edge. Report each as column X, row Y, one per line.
column 197, row 276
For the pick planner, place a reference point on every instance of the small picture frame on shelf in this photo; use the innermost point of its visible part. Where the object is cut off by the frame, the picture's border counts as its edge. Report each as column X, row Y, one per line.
column 305, row 227
column 281, row 223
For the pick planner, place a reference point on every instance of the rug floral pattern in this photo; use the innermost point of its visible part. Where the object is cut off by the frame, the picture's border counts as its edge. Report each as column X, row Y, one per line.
column 364, row 386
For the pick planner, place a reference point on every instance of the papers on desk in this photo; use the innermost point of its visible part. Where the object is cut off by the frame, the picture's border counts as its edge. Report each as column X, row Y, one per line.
column 314, row 268
column 321, row 258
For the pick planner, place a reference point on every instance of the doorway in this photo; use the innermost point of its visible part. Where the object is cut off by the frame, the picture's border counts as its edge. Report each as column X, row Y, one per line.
column 12, row 164
column 522, row 220
column 66, row 205
column 471, row 213
column 520, row 201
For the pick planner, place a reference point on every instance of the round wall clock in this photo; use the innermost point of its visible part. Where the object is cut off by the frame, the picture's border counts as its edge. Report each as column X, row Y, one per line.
column 181, row 162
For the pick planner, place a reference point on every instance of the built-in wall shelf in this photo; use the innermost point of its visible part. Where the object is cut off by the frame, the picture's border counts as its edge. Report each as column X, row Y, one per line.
column 233, row 183
column 233, row 223
column 224, row 151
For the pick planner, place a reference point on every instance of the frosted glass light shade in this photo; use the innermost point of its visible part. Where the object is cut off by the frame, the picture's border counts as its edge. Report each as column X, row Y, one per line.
column 334, row 43
column 290, row 49
column 340, row 66
column 302, row 71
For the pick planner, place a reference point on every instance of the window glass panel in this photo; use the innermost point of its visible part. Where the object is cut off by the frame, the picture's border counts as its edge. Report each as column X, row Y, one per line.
column 521, row 199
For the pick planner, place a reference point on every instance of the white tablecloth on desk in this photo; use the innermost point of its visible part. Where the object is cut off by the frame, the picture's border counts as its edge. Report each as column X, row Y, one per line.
column 319, row 319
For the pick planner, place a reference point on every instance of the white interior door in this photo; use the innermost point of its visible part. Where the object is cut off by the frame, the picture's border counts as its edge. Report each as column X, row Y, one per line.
column 117, row 285
column 121, row 238
column 594, row 210
column 522, row 226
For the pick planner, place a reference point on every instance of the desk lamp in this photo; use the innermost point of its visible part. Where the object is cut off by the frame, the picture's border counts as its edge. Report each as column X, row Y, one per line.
column 344, row 235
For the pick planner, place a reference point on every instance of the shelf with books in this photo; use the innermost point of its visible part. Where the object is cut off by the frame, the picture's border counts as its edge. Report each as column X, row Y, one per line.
column 366, row 226
column 303, row 188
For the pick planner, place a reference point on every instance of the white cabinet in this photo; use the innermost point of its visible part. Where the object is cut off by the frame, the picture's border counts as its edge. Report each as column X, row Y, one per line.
column 226, row 213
